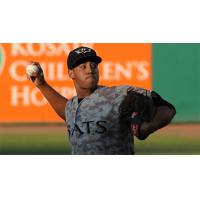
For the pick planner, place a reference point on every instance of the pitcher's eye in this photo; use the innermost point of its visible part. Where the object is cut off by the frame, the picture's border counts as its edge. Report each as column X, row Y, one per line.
column 83, row 66
column 93, row 65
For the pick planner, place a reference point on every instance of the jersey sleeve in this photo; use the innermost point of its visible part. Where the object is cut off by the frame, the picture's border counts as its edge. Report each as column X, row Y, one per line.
column 125, row 88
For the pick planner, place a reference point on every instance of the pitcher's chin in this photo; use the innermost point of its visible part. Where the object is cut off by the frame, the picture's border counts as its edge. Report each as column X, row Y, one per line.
column 91, row 84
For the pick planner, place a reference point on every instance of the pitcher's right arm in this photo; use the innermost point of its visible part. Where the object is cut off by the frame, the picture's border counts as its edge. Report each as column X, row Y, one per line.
column 57, row 101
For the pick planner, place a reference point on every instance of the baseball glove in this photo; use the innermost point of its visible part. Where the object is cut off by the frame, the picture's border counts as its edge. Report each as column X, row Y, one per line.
column 134, row 110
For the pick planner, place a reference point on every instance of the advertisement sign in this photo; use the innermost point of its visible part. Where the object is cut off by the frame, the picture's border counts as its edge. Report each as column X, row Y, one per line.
column 21, row 101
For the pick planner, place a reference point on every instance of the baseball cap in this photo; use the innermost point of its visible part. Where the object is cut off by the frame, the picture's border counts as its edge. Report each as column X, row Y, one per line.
column 81, row 55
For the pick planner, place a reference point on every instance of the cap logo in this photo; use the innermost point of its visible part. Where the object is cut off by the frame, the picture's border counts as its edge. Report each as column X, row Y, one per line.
column 83, row 50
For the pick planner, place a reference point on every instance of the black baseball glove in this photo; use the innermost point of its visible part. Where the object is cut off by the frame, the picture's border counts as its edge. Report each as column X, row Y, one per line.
column 134, row 110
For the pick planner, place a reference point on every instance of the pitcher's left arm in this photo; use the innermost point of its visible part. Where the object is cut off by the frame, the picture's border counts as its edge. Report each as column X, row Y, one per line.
column 163, row 114
column 144, row 112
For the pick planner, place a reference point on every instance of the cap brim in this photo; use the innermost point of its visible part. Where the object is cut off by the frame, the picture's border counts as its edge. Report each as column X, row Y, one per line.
column 95, row 59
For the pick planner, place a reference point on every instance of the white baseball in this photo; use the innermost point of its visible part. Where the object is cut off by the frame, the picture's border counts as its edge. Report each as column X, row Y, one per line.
column 32, row 70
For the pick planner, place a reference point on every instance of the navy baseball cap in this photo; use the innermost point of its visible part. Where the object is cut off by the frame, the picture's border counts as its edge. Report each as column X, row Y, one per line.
column 81, row 55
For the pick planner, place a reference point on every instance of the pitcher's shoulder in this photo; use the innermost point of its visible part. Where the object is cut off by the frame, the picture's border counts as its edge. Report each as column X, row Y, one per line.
column 119, row 88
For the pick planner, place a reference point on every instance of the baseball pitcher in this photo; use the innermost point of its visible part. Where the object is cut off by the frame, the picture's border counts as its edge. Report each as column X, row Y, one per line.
column 100, row 119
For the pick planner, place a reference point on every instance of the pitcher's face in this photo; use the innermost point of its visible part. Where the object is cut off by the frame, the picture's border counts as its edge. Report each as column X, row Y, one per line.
column 85, row 75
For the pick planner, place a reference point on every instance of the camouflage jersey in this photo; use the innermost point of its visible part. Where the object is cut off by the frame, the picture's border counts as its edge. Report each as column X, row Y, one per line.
column 93, row 124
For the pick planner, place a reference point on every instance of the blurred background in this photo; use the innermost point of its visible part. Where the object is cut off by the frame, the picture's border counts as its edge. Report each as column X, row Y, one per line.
column 28, row 125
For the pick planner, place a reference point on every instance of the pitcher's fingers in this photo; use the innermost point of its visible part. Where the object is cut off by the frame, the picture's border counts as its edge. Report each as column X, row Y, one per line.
column 35, row 63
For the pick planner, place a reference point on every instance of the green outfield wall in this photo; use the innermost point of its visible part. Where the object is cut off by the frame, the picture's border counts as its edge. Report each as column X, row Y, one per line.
column 176, row 76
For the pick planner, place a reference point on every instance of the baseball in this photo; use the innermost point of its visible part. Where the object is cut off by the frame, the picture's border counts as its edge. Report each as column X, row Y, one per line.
column 32, row 70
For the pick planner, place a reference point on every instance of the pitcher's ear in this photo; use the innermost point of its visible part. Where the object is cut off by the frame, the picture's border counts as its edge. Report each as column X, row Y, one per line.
column 71, row 74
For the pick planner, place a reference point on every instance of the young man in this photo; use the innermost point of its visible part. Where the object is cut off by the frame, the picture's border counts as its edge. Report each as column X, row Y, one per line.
column 104, row 120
